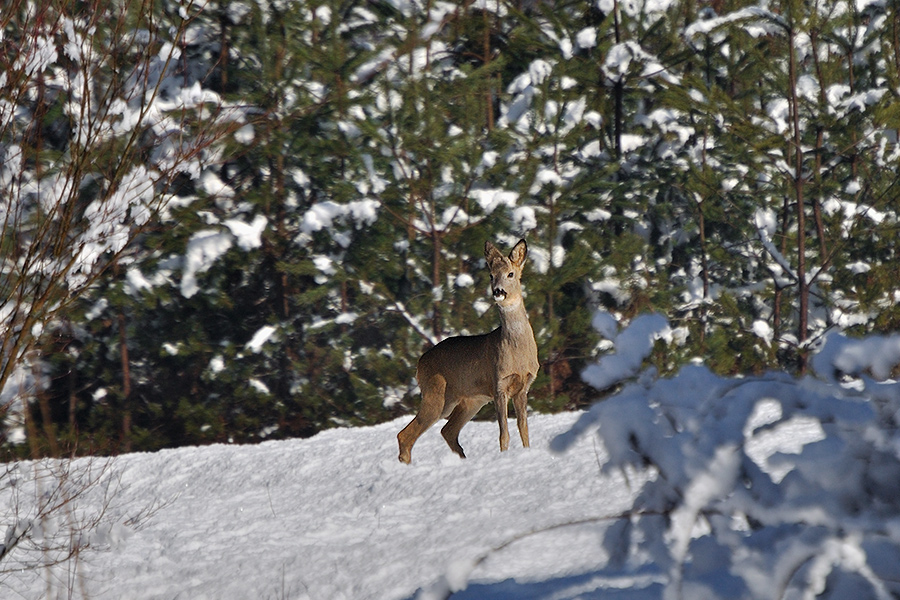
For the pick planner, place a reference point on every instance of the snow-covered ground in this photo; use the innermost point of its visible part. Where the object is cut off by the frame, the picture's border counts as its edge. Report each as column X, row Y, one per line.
column 337, row 516
column 693, row 487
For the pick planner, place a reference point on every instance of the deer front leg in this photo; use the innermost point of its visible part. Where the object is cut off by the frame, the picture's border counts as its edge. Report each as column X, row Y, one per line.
column 501, row 401
column 520, row 402
column 510, row 386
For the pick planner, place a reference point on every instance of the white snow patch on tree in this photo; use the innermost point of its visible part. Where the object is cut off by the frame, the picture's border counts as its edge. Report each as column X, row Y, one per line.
column 524, row 218
column 763, row 331
column 632, row 345
column 203, row 249
column 245, row 135
column 259, row 386
column 464, row 280
column 490, row 199
column 264, row 334
column 586, row 38
column 323, row 215
column 248, row 235
column 210, row 183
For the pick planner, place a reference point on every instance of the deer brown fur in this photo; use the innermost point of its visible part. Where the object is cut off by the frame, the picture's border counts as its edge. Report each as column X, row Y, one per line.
column 461, row 374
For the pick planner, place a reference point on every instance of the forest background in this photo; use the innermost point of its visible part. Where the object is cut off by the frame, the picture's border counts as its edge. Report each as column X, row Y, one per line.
column 235, row 221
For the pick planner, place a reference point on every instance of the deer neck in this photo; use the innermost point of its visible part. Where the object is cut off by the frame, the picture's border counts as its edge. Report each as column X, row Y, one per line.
column 514, row 321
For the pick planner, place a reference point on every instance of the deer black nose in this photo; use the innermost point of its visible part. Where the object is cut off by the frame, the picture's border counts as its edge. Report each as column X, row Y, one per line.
column 499, row 293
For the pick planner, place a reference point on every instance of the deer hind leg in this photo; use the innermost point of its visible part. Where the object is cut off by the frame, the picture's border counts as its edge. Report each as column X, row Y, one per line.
column 462, row 414
column 429, row 413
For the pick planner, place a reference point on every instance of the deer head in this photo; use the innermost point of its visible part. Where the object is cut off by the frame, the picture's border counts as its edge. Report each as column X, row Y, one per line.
column 506, row 273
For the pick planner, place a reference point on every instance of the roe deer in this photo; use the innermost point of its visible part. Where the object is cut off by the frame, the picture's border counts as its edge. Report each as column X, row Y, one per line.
column 461, row 374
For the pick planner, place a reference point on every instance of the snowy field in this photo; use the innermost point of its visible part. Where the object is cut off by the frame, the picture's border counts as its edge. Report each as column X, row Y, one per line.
column 338, row 516
column 690, row 487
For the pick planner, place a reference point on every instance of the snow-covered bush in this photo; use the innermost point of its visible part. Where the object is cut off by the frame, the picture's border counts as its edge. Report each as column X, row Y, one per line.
column 98, row 118
column 729, row 516
column 47, row 524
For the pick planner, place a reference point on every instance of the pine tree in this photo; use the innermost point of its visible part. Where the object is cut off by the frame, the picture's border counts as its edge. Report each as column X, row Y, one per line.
column 732, row 170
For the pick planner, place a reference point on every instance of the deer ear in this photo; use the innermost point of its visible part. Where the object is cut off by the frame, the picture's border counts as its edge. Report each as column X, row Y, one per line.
column 491, row 253
column 518, row 253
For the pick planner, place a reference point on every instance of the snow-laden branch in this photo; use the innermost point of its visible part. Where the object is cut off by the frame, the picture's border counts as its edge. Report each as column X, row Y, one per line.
column 764, row 226
column 632, row 345
column 414, row 323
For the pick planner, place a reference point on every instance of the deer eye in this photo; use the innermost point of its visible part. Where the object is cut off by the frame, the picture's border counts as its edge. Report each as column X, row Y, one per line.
column 511, row 275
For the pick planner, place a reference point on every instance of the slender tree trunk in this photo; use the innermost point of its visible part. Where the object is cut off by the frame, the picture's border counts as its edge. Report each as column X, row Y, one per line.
column 618, row 90
column 126, row 383
column 552, row 352
column 46, row 412
column 820, row 147
column 803, row 284
column 779, row 289
column 851, row 81
column 704, row 266
column 224, row 38
column 276, row 249
column 486, row 49
column 31, row 429
column 436, row 240
column 73, row 402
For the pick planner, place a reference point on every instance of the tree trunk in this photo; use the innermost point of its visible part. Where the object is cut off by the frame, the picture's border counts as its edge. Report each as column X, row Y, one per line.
column 46, row 413
column 486, row 49
column 803, row 283
column 126, row 384
column 435, row 283
column 618, row 91
column 704, row 268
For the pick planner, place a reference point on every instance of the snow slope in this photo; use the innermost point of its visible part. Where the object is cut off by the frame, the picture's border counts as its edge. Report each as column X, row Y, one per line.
column 337, row 516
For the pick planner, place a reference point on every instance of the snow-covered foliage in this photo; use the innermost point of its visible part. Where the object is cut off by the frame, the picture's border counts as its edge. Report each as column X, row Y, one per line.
column 97, row 121
column 729, row 515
